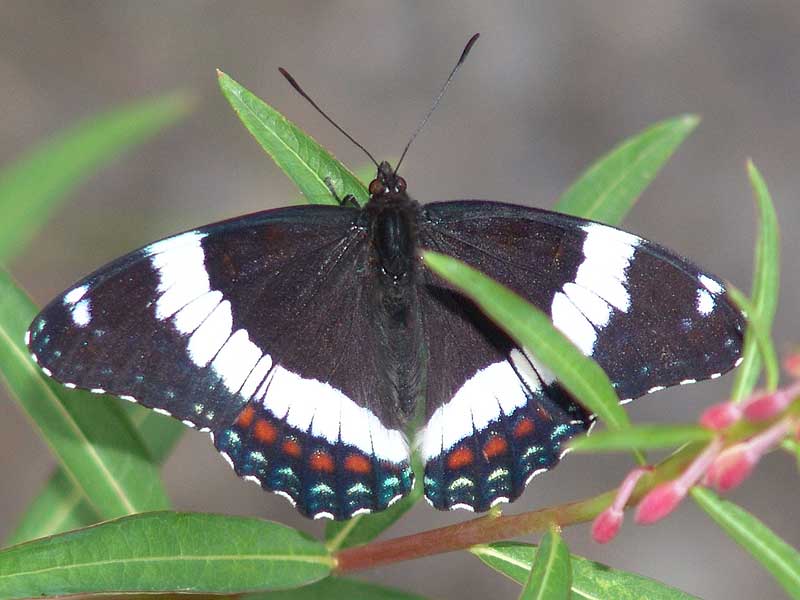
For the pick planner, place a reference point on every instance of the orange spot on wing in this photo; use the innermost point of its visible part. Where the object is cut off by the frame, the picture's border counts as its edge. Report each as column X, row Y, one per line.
column 495, row 446
column 460, row 457
column 321, row 461
column 265, row 432
column 524, row 427
column 292, row 448
column 245, row 417
column 357, row 464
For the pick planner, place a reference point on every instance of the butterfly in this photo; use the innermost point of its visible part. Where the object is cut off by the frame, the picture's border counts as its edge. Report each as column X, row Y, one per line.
column 307, row 340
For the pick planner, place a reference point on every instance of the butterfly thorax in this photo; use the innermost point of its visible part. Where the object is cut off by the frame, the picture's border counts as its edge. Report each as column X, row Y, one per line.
column 392, row 221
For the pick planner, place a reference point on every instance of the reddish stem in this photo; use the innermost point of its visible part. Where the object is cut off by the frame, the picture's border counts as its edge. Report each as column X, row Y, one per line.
column 491, row 529
column 463, row 535
column 488, row 529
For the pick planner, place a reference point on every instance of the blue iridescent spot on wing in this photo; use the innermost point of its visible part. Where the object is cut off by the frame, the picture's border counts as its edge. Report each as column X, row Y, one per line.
column 322, row 479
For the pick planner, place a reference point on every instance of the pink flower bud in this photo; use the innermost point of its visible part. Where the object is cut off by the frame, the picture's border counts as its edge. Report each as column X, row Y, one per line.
column 766, row 406
column 606, row 526
column 721, row 416
column 660, row 502
column 732, row 467
column 791, row 365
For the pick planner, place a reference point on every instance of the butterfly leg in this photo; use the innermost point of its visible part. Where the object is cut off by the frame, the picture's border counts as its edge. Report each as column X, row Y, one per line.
column 349, row 201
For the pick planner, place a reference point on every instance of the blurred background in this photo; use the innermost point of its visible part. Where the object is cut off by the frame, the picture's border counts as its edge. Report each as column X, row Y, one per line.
column 548, row 89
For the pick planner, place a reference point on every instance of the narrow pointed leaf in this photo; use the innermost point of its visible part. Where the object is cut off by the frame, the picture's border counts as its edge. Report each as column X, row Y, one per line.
column 766, row 283
column 532, row 329
column 164, row 551
column 330, row 588
column 303, row 160
column 34, row 185
column 337, row 588
column 61, row 506
column 590, row 580
column 364, row 528
column 158, row 433
column 761, row 336
column 551, row 575
column 774, row 554
column 641, row 437
column 91, row 437
column 608, row 189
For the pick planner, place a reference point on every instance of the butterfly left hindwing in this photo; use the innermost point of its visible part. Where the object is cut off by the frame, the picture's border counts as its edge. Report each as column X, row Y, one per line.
column 234, row 328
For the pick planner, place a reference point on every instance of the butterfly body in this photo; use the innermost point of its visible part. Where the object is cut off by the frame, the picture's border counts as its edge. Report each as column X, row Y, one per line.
column 391, row 219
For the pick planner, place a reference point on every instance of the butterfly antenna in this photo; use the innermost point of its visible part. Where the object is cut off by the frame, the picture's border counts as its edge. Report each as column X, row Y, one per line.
column 461, row 60
column 300, row 91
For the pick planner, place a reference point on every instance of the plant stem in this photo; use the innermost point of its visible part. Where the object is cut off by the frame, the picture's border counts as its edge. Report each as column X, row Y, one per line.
column 495, row 528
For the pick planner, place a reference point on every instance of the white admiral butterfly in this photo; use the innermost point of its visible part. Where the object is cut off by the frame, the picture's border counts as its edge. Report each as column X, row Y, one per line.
column 301, row 338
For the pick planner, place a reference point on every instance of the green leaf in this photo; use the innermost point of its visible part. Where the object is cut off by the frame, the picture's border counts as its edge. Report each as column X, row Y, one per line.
column 159, row 433
column 303, row 160
column 608, row 189
column 590, row 580
column 364, row 528
column 766, row 283
column 641, row 437
column 551, row 574
column 761, row 336
column 330, row 588
column 164, row 551
column 90, row 436
column 532, row 329
column 34, row 185
column 61, row 506
column 337, row 588
column 775, row 555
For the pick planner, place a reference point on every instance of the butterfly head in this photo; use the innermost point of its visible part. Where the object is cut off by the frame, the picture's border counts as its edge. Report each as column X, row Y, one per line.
column 386, row 183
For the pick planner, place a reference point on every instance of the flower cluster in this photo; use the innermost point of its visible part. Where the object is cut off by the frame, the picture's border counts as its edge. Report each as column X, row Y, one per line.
column 721, row 465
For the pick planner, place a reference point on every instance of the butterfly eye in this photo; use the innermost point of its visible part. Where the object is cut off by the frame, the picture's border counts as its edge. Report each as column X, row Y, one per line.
column 401, row 185
column 376, row 187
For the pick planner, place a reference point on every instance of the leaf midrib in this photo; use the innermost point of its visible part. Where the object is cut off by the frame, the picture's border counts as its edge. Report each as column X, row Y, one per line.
column 336, row 542
column 275, row 135
column 548, row 569
column 322, row 560
column 614, row 422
